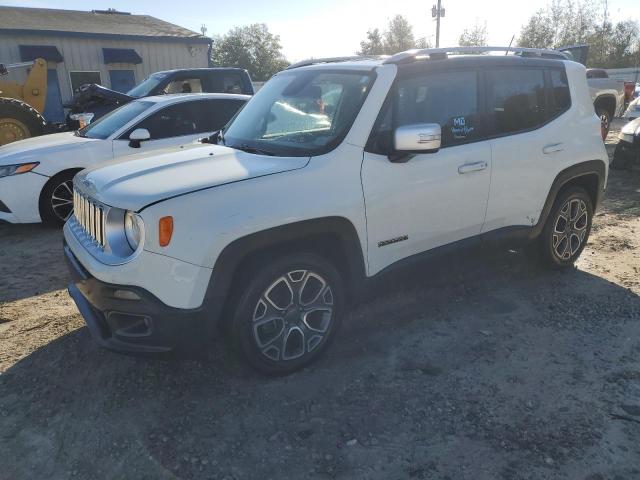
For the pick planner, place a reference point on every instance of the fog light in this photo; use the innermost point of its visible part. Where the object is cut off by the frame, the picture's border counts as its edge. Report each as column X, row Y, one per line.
column 126, row 295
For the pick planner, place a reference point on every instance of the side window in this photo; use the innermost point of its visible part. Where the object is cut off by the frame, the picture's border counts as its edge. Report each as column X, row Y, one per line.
column 516, row 99
column 231, row 83
column 216, row 113
column 559, row 91
column 447, row 98
column 226, row 83
column 185, row 85
column 173, row 121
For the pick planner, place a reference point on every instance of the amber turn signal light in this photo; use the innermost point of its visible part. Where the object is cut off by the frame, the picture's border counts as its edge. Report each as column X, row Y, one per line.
column 165, row 230
column 26, row 167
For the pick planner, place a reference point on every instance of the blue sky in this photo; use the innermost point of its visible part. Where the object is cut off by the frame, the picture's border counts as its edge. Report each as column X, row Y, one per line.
column 335, row 27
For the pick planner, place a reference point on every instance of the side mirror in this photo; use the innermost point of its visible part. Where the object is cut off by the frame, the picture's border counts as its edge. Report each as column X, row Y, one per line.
column 414, row 139
column 138, row 136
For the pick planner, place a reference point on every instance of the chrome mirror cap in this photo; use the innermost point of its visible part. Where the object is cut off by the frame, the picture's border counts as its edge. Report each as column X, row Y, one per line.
column 419, row 137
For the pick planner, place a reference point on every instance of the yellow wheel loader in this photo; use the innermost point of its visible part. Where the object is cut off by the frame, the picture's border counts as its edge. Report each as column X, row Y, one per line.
column 21, row 105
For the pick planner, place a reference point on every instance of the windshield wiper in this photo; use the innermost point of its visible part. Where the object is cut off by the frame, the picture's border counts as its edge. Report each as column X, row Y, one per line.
column 248, row 149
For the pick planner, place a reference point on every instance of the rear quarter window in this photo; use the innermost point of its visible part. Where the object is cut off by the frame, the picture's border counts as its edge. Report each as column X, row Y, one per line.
column 516, row 99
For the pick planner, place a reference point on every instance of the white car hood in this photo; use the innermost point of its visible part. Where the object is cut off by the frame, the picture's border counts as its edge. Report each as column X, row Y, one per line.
column 38, row 148
column 144, row 179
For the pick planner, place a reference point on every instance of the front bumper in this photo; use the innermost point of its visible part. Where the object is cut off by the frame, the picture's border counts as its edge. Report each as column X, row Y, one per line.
column 143, row 325
column 20, row 195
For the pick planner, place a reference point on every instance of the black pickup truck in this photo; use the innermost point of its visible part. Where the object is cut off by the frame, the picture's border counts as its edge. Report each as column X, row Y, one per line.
column 98, row 100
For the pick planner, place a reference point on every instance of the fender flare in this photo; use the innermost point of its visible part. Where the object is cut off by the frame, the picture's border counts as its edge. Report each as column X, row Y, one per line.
column 590, row 167
column 235, row 253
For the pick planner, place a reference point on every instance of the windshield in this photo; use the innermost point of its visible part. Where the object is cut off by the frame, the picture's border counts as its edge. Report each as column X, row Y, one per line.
column 300, row 113
column 106, row 126
column 148, row 84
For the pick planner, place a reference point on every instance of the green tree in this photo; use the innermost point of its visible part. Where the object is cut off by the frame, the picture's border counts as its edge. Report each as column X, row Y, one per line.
column 475, row 36
column 397, row 37
column 251, row 47
column 373, row 45
column 571, row 22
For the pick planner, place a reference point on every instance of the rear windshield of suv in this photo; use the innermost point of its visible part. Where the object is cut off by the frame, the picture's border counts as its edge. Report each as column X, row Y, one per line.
column 300, row 113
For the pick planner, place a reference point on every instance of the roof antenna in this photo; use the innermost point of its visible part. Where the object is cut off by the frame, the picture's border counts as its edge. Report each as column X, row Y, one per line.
column 511, row 42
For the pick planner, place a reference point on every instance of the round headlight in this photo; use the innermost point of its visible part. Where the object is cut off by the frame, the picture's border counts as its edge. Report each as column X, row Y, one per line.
column 133, row 229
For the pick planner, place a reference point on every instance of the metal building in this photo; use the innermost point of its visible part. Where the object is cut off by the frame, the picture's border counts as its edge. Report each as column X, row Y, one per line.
column 114, row 49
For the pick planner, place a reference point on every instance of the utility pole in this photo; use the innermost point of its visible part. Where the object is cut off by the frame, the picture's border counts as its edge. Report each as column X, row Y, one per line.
column 437, row 11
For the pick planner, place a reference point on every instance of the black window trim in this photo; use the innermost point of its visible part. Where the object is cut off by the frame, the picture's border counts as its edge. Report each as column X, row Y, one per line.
column 371, row 147
column 158, row 110
column 549, row 102
column 124, row 136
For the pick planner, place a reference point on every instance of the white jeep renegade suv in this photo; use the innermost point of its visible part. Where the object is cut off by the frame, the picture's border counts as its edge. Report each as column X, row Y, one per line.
column 334, row 172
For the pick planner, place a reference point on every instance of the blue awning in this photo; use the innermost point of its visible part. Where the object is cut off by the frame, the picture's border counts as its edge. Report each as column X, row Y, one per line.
column 121, row 55
column 48, row 52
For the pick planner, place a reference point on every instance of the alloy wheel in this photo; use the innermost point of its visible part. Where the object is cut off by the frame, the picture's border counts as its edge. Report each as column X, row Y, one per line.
column 293, row 315
column 62, row 200
column 570, row 228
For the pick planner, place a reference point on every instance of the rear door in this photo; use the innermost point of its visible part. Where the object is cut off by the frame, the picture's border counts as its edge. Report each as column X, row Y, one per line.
column 433, row 199
column 527, row 145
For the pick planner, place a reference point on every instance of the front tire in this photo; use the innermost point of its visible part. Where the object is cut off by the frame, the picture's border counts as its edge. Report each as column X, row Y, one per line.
column 56, row 199
column 567, row 229
column 289, row 313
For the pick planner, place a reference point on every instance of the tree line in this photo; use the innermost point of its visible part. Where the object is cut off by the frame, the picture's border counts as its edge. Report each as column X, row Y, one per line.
column 561, row 22
column 572, row 22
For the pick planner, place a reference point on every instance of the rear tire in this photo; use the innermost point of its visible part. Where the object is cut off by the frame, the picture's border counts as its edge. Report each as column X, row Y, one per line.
column 567, row 228
column 289, row 312
column 18, row 120
column 56, row 199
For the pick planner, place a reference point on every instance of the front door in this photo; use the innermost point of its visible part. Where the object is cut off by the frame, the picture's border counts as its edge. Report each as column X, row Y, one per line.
column 122, row 80
column 433, row 199
column 175, row 124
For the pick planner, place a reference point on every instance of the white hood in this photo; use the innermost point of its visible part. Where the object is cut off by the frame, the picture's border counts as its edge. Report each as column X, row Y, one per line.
column 38, row 148
column 148, row 178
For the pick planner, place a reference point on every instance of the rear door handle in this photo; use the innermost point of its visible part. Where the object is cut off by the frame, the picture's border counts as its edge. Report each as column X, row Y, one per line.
column 552, row 148
column 472, row 167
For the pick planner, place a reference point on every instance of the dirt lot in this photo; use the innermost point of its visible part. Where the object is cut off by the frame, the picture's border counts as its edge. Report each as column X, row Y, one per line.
column 480, row 368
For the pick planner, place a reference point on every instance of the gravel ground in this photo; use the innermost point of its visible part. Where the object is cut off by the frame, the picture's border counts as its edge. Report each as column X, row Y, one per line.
column 479, row 367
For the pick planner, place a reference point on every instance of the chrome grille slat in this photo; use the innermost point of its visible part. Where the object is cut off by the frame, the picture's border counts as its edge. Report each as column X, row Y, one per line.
column 91, row 217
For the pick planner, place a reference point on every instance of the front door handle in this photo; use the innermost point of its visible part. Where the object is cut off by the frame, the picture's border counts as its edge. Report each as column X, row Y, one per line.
column 552, row 148
column 472, row 167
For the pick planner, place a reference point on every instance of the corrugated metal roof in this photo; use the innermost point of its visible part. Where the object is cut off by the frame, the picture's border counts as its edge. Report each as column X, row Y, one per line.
column 96, row 22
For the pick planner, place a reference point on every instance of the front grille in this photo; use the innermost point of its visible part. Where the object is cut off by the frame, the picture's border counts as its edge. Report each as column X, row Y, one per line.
column 90, row 216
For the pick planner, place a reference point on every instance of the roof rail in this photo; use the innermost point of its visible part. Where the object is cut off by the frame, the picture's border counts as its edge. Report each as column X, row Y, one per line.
column 412, row 55
column 315, row 61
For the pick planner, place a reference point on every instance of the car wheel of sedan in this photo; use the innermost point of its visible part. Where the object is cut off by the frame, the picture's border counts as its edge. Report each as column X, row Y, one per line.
column 289, row 313
column 567, row 229
column 56, row 199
